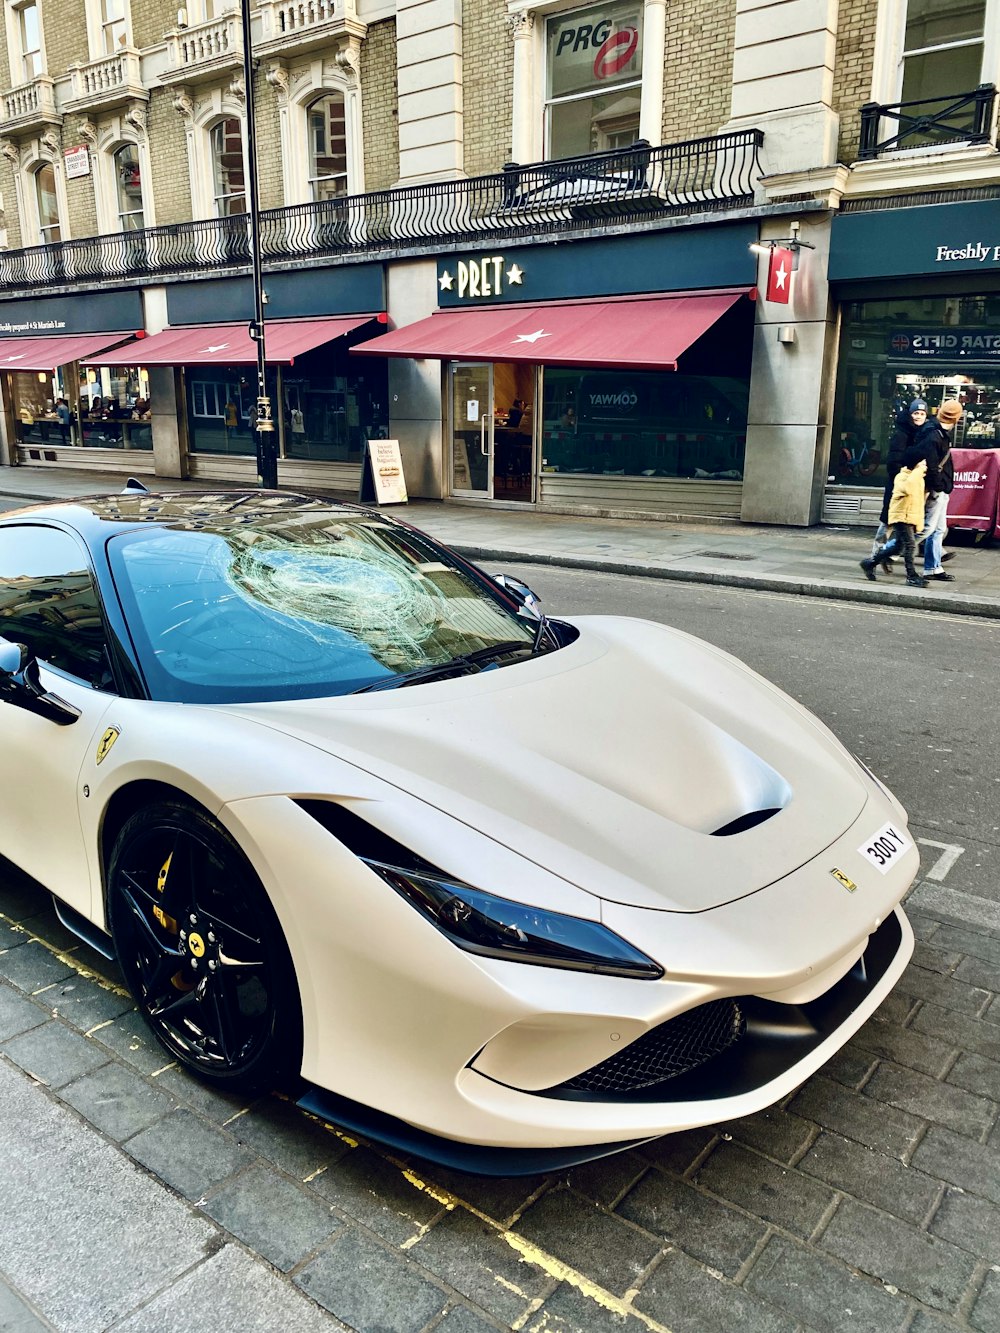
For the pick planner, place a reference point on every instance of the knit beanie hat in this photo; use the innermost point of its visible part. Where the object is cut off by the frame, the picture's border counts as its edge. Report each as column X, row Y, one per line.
column 950, row 412
column 918, row 405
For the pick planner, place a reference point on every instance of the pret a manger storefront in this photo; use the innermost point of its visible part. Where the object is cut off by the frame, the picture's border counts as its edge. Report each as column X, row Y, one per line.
column 601, row 376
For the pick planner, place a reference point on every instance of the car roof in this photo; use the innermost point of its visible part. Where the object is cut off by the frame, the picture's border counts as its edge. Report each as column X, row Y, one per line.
column 97, row 517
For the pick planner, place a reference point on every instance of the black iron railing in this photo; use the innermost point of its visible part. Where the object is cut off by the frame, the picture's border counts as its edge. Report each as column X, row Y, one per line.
column 962, row 118
column 571, row 194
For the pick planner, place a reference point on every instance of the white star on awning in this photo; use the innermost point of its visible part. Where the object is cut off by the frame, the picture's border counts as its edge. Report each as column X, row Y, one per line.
column 215, row 347
column 532, row 337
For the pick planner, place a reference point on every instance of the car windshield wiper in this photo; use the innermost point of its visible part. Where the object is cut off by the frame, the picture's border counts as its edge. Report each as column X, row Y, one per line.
column 454, row 666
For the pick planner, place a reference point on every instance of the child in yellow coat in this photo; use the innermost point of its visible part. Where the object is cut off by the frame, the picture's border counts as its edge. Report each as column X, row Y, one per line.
column 906, row 517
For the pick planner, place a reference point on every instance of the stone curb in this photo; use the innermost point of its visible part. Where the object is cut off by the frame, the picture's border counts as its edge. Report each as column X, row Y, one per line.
column 927, row 600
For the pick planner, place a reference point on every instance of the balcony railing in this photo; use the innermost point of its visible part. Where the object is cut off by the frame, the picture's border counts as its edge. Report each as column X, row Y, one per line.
column 204, row 49
column 107, row 82
column 962, row 118
column 573, row 194
column 30, row 106
column 295, row 26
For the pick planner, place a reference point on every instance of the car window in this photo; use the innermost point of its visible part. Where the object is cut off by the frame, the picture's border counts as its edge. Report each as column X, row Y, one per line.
column 297, row 607
column 48, row 601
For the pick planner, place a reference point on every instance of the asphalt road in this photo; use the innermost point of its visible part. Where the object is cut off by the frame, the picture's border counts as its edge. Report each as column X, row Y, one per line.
column 868, row 1200
column 913, row 694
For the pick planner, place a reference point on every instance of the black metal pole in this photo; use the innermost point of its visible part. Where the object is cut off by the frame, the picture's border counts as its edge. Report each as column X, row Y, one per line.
column 267, row 445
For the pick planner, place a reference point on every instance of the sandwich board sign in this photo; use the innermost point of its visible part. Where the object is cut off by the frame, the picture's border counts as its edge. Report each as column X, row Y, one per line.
column 382, row 477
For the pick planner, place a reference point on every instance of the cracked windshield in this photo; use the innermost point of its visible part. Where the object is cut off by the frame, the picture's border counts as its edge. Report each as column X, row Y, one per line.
column 303, row 608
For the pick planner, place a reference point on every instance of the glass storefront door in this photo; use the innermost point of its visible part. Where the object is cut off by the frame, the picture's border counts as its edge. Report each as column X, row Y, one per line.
column 471, row 400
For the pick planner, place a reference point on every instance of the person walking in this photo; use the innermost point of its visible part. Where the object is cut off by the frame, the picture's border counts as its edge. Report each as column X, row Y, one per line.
column 908, row 422
column 934, row 439
column 64, row 417
column 906, row 515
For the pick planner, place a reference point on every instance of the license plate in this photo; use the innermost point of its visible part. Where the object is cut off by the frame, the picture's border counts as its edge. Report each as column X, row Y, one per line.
column 885, row 847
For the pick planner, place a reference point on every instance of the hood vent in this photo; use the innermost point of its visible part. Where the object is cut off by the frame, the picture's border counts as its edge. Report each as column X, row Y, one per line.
column 748, row 821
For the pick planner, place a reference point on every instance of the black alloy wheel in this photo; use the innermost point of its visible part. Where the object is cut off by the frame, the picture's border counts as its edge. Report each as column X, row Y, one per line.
column 201, row 949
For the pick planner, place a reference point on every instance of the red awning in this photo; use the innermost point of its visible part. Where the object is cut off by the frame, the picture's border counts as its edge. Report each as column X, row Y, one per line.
column 47, row 353
column 231, row 344
column 636, row 332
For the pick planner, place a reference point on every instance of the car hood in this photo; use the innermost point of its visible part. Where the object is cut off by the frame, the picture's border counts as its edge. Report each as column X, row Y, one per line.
column 612, row 763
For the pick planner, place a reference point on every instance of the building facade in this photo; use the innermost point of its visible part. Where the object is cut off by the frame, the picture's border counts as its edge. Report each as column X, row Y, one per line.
column 629, row 258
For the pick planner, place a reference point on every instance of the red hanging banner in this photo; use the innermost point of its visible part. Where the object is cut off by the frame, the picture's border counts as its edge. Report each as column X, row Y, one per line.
column 779, row 275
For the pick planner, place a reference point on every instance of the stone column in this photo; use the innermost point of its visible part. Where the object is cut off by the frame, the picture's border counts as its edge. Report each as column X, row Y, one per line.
column 415, row 401
column 523, row 146
column 791, row 388
column 429, row 77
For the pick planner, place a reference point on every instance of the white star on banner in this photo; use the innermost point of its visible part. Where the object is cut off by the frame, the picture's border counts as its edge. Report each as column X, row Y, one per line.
column 445, row 281
column 514, row 275
column 532, row 337
column 781, row 273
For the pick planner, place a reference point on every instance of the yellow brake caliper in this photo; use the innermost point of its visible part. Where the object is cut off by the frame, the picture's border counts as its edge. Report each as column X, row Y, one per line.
column 168, row 922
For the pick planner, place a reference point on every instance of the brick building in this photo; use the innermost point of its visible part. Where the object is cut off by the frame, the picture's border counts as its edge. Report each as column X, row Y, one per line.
column 515, row 236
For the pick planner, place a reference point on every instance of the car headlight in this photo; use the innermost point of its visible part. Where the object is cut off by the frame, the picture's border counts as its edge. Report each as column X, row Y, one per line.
column 485, row 924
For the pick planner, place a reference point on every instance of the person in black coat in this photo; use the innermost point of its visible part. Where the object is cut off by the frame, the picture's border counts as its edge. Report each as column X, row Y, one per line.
column 934, row 439
column 908, row 423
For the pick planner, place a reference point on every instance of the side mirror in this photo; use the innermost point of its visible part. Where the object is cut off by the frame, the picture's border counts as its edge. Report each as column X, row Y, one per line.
column 21, row 685
column 526, row 599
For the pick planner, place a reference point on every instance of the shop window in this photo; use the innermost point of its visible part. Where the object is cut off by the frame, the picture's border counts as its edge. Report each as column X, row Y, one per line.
column 113, row 29
column 644, row 424
column 47, row 204
column 593, row 64
column 895, row 350
column 942, row 49
column 129, row 182
column 228, row 169
column 327, row 147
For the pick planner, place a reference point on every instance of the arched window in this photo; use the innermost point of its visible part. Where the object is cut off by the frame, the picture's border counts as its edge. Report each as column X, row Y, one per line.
column 129, row 188
column 327, row 147
column 48, row 204
column 228, row 171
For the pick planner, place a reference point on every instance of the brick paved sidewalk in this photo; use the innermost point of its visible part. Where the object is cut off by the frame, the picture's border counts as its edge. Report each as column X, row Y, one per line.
column 134, row 1197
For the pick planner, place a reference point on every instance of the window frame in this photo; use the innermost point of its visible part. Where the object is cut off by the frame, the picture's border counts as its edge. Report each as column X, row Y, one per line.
column 888, row 66
column 217, row 169
column 613, row 89
column 44, row 228
column 18, row 54
column 314, row 179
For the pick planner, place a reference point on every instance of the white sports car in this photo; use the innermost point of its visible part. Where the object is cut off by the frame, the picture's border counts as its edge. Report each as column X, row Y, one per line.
column 505, row 891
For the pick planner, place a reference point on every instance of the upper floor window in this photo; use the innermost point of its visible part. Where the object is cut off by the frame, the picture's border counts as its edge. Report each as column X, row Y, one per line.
column 128, row 177
column 327, row 147
column 942, row 48
column 228, row 171
column 31, row 40
column 48, row 204
column 593, row 64
column 113, row 32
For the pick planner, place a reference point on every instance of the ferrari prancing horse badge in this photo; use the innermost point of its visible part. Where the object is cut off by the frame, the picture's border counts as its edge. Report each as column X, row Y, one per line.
column 107, row 740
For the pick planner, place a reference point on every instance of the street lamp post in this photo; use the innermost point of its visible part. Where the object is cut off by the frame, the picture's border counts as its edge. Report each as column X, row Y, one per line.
column 267, row 445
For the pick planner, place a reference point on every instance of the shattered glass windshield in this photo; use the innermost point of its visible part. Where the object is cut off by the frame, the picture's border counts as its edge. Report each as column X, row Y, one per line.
column 299, row 606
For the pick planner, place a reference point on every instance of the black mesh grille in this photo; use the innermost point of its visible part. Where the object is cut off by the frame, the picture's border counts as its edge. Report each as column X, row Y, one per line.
column 675, row 1047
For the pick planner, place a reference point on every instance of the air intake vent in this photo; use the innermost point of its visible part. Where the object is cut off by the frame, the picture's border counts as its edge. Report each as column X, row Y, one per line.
column 740, row 825
column 675, row 1047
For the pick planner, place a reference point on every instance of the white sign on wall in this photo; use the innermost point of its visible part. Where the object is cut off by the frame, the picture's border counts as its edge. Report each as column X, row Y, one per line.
column 77, row 161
